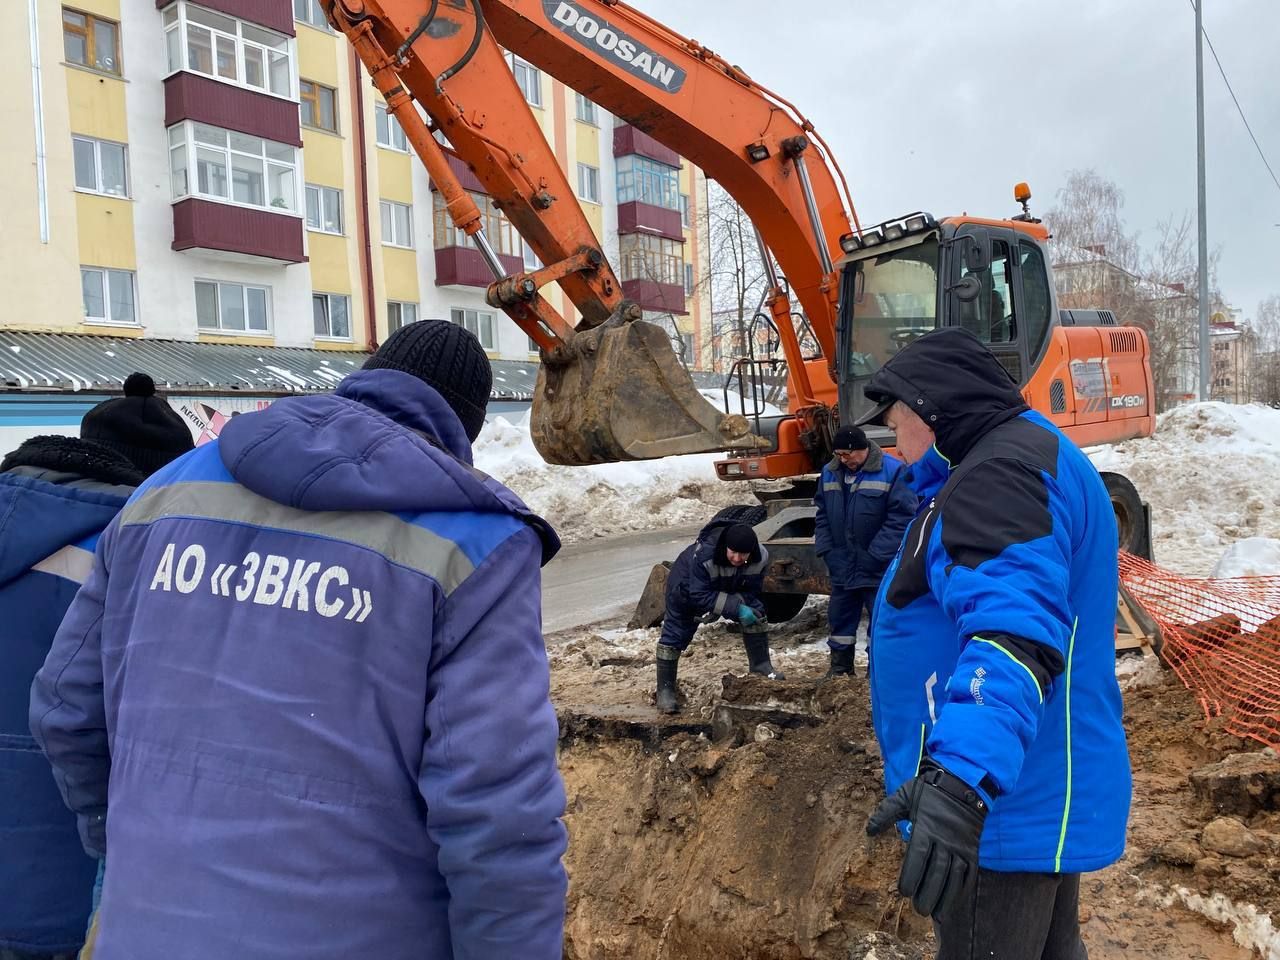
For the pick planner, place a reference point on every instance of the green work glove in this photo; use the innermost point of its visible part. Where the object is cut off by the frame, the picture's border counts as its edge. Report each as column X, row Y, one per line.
column 747, row 617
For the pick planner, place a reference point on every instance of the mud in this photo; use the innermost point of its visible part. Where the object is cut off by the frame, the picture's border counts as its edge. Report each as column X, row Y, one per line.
column 734, row 830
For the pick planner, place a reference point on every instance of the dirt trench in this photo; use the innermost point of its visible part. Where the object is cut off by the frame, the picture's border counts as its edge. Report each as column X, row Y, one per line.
column 735, row 830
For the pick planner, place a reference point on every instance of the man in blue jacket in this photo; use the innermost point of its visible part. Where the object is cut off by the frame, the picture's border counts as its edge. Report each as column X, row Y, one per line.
column 719, row 575
column 57, row 494
column 864, row 505
column 994, row 694
column 303, row 697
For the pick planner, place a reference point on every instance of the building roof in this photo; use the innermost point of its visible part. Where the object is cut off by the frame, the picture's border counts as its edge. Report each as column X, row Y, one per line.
column 64, row 363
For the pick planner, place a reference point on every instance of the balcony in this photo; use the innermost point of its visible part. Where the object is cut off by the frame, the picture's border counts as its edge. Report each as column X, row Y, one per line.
column 237, row 233
column 465, row 267
column 628, row 140
column 639, row 217
column 189, row 96
column 658, row 297
column 276, row 15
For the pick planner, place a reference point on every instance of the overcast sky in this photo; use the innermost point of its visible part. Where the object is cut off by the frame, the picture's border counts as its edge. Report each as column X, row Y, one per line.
column 943, row 106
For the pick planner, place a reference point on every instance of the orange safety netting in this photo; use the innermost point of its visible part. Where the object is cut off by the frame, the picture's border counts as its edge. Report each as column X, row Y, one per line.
column 1222, row 638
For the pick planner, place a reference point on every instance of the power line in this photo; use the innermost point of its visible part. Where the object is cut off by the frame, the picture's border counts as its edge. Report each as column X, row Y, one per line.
column 1239, row 109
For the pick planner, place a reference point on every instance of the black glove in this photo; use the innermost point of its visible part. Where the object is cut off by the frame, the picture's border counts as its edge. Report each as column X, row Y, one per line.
column 946, row 814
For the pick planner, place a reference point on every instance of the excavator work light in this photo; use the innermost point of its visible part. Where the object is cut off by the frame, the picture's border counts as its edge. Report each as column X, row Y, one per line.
column 915, row 224
column 758, row 151
column 894, row 231
column 849, row 243
column 872, row 238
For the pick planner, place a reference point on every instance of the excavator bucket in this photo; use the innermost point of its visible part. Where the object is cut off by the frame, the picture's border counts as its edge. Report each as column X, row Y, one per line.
column 618, row 392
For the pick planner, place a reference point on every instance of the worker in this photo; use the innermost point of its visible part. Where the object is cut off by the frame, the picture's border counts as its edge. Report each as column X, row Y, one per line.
column 309, row 661
column 719, row 576
column 994, row 695
column 57, row 494
column 864, row 505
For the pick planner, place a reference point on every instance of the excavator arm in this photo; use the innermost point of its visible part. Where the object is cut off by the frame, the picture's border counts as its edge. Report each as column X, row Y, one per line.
column 609, row 388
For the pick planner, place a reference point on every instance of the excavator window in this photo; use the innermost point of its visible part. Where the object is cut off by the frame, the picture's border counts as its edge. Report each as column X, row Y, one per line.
column 1037, row 306
column 990, row 316
column 894, row 300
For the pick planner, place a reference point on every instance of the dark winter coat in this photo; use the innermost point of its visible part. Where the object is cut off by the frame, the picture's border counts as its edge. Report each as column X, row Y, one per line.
column 703, row 583
column 303, row 697
column 861, row 518
column 56, row 495
column 995, row 624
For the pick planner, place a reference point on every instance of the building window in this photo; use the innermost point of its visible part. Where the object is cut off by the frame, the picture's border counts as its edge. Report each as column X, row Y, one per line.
column 533, row 346
column 319, row 106
column 528, row 79
column 531, row 261
column 587, row 111
column 217, row 164
column 389, row 132
column 397, row 223
column 332, row 314
column 688, row 279
column 226, row 49
column 648, row 257
column 324, row 209
column 232, row 307
column 502, row 235
column 308, row 11
column 684, row 209
column 400, row 314
column 101, row 166
column 648, row 181
column 91, row 41
column 478, row 322
column 107, row 296
column 588, row 183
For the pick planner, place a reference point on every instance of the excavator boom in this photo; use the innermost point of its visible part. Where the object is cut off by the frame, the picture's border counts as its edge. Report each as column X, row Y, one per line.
column 618, row 393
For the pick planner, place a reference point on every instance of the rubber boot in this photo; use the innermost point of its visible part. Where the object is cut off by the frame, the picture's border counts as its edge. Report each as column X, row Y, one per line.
column 841, row 664
column 757, row 646
column 668, row 662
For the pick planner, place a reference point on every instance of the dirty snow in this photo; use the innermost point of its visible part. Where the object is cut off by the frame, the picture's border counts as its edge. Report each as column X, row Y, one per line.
column 1250, row 927
column 609, row 498
column 1211, row 473
column 1251, row 557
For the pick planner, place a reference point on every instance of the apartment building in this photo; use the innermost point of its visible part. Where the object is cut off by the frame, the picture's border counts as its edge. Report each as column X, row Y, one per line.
column 222, row 173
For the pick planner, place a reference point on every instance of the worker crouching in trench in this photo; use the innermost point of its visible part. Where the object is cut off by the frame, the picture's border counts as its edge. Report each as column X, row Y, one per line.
column 718, row 576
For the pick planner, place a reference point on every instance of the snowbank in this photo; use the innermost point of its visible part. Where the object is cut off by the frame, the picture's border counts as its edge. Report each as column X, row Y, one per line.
column 1211, row 473
column 1251, row 557
column 608, row 498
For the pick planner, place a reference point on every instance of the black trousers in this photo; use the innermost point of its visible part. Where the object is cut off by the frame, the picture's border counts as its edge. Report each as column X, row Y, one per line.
column 1015, row 916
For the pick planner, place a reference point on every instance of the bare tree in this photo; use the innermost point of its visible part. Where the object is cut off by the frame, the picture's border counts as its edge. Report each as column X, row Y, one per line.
column 736, row 278
column 1087, row 217
column 1266, row 354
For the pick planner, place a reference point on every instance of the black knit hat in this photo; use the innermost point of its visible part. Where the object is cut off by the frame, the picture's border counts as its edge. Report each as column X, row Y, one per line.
column 850, row 438
column 446, row 357
column 139, row 425
column 740, row 538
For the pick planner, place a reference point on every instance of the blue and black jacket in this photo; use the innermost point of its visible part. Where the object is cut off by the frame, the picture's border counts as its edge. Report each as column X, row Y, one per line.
column 703, row 583
column 861, row 518
column 995, row 644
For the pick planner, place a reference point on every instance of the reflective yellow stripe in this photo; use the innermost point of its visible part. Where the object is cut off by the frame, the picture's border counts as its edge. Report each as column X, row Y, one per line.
column 1034, row 682
column 1066, row 807
column 920, row 756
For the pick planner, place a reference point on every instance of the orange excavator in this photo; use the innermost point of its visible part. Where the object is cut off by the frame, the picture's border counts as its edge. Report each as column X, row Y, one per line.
column 841, row 299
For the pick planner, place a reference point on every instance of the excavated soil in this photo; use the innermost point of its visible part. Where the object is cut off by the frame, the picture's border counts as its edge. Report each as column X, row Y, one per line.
column 735, row 830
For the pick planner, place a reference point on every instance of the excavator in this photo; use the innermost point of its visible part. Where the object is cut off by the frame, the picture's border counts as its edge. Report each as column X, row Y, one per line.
column 842, row 297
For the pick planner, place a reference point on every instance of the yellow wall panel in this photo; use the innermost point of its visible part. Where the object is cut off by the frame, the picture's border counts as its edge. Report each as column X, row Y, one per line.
column 330, row 262
column 318, row 55
column 323, row 158
column 96, row 105
column 106, row 232
column 400, row 272
column 337, row 346
column 238, row 340
column 595, row 216
column 588, row 145
column 107, row 330
column 103, row 8
column 395, row 177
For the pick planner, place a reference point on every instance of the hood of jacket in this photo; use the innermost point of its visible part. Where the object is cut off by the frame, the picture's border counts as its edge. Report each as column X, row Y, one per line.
column 56, row 491
column 954, row 383
column 385, row 440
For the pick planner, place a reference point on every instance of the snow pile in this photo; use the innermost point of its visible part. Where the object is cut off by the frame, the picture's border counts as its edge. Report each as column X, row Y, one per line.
column 1251, row 557
column 1211, row 473
column 609, row 498
column 737, row 403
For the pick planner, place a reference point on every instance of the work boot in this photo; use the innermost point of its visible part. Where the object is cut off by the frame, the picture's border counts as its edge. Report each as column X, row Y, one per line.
column 668, row 661
column 757, row 646
column 841, row 664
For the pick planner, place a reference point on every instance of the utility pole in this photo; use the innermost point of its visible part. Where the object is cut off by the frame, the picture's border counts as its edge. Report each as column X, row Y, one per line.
column 1203, row 295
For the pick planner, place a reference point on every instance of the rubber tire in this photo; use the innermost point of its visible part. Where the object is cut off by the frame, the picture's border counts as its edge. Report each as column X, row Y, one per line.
column 779, row 607
column 1131, row 521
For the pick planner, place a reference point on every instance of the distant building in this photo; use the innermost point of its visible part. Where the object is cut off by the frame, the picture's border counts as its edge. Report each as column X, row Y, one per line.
column 1231, row 361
